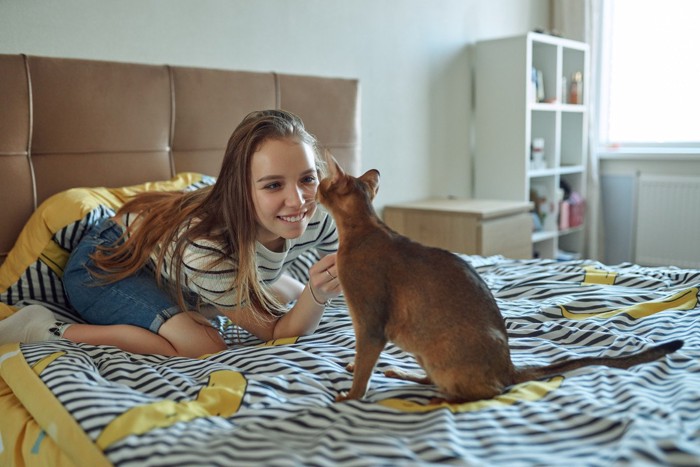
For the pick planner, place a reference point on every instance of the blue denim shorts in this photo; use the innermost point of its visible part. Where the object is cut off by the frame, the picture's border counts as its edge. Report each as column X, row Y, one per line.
column 135, row 300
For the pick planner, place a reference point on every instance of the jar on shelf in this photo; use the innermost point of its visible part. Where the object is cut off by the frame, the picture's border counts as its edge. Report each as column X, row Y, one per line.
column 576, row 88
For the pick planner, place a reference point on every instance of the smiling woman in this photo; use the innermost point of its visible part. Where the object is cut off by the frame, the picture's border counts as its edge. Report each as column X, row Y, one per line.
column 222, row 247
column 286, row 178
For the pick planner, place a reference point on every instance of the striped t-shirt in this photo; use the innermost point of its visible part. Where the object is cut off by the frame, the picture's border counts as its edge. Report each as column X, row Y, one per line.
column 212, row 283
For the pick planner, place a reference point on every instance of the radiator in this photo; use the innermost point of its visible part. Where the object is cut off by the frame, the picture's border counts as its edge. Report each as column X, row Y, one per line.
column 668, row 221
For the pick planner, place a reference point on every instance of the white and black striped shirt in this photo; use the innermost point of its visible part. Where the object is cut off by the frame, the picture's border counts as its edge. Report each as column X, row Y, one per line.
column 213, row 283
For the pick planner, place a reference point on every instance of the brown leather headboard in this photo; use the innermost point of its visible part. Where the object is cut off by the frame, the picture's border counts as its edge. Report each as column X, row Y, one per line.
column 66, row 123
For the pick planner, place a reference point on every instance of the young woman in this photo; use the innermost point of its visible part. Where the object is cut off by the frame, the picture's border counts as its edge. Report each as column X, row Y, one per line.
column 145, row 278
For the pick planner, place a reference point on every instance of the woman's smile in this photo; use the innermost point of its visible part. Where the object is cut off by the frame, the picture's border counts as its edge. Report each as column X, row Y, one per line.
column 293, row 219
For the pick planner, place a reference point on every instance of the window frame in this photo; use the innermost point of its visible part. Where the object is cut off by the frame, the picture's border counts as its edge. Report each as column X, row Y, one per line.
column 623, row 149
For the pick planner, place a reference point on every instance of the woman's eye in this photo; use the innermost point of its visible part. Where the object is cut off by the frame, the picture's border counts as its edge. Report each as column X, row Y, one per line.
column 272, row 186
column 310, row 179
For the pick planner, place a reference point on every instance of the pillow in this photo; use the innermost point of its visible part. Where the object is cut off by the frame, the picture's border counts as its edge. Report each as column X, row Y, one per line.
column 34, row 267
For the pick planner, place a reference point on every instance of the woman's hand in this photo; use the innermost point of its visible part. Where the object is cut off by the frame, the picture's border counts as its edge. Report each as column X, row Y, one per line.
column 305, row 315
column 323, row 279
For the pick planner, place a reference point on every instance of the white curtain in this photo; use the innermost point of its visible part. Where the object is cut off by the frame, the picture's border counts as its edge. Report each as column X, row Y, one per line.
column 582, row 20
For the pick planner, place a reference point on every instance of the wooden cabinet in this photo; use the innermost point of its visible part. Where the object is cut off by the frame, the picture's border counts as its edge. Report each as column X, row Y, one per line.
column 475, row 227
column 531, row 132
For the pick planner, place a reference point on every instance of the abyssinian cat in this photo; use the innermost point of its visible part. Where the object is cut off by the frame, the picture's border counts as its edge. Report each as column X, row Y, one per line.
column 429, row 302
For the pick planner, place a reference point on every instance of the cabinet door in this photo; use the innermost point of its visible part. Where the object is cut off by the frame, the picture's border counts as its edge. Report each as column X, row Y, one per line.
column 509, row 236
column 455, row 232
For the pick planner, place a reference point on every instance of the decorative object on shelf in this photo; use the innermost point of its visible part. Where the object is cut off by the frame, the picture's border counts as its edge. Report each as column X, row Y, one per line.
column 567, row 256
column 536, row 222
column 540, row 86
column 577, row 210
column 576, row 89
column 538, row 214
column 572, row 207
column 537, row 86
column 537, row 161
column 543, row 206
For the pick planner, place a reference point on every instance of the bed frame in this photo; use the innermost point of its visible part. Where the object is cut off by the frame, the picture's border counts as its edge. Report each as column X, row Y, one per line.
column 68, row 122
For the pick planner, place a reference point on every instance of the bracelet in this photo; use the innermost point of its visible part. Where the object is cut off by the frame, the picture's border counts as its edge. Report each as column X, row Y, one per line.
column 313, row 296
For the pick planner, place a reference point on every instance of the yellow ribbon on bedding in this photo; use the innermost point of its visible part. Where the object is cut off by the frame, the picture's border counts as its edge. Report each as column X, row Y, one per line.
column 221, row 397
column 36, row 428
column 527, row 391
column 684, row 300
column 593, row 275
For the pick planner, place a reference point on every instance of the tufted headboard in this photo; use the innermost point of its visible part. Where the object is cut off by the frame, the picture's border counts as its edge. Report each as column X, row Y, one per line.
column 66, row 123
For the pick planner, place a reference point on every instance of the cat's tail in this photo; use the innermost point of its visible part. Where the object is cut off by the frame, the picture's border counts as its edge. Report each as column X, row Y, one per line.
column 530, row 373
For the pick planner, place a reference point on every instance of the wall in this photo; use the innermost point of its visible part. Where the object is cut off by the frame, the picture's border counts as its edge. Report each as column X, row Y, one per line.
column 411, row 56
column 618, row 196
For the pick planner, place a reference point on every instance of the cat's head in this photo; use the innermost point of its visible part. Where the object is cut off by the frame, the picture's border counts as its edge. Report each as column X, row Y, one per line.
column 340, row 188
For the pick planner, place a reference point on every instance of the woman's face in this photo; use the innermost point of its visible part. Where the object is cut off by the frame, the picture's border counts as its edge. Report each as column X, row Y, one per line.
column 284, row 183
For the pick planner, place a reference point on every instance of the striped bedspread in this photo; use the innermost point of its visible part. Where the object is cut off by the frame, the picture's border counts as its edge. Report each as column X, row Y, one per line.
column 273, row 403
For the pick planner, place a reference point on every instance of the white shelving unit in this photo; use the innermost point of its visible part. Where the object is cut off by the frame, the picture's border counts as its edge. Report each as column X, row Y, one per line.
column 509, row 116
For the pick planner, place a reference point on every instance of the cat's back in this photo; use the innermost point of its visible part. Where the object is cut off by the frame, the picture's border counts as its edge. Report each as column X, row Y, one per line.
column 432, row 267
column 404, row 264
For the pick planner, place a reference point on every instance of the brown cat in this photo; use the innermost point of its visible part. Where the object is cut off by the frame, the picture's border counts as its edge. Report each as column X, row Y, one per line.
column 429, row 302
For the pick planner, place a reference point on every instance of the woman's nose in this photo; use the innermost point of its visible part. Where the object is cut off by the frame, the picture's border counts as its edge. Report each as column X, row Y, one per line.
column 295, row 197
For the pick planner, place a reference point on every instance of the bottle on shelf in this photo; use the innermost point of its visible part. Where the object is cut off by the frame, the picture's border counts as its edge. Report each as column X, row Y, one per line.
column 537, row 161
column 576, row 89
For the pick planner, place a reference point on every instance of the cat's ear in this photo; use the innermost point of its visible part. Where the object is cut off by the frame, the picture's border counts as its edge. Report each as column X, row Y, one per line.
column 371, row 178
column 328, row 163
column 336, row 171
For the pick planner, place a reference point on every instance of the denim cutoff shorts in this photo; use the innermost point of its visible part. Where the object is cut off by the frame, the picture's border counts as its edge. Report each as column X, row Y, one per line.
column 135, row 300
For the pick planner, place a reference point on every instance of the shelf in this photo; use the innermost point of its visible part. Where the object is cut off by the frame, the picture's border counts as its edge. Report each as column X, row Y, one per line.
column 544, row 235
column 571, row 169
column 548, row 172
column 544, row 106
column 572, row 230
column 509, row 119
column 542, row 173
column 556, row 106
column 572, row 108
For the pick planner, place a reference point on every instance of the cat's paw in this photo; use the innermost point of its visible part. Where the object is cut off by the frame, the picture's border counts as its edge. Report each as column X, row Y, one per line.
column 407, row 376
column 350, row 367
column 394, row 373
column 342, row 396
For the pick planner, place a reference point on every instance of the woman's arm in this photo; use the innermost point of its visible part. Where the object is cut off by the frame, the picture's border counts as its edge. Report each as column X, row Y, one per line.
column 304, row 316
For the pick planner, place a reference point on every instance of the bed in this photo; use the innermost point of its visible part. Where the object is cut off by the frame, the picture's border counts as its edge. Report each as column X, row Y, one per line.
column 78, row 137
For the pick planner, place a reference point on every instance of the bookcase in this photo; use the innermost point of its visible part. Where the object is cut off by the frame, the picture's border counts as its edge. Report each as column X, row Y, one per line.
column 531, row 133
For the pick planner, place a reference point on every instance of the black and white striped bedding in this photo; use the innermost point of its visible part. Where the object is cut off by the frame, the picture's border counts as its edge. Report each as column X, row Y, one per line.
column 273, row 403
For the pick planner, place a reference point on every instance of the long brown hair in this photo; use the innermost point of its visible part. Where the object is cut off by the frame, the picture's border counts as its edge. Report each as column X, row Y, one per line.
column 223, row 213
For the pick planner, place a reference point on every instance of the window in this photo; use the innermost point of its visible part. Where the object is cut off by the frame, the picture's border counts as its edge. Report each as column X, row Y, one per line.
column 650, row 74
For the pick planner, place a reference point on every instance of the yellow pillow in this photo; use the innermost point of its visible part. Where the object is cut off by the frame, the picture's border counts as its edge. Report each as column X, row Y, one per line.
column 34, row 267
